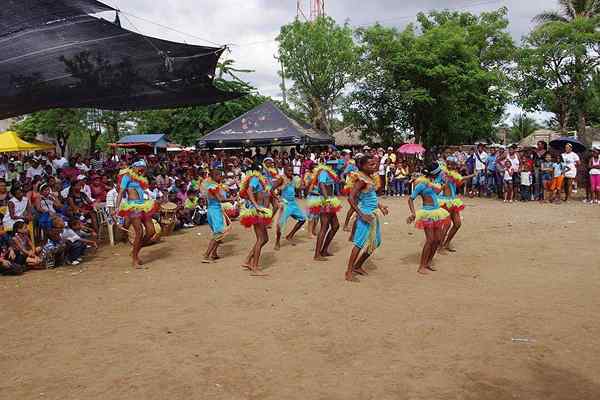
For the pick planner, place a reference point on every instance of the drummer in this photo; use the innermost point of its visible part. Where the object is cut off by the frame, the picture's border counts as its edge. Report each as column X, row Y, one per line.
column 137, row 211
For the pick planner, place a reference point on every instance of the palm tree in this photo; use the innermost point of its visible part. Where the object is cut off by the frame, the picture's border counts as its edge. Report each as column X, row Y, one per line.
column 569, row 10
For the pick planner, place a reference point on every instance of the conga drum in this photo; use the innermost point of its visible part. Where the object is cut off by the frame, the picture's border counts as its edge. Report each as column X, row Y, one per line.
column 157, row 229
column 168, row 217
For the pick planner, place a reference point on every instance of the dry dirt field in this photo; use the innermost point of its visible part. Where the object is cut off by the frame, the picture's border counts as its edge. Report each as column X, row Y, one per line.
column 184, row 330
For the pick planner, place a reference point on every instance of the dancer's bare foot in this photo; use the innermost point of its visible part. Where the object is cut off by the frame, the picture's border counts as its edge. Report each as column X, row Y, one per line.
column 450, row 249
column 320, row 258
column 360, row 271
column 443, row 251
column 423, row 270
column 291, row 240
column 326, row 254
column 277, row 246
column 347, row 229
column 350, row 276
column 206, row 261
column 246, row 266
column 215, row 258
column 429, row 267
column 138, row 264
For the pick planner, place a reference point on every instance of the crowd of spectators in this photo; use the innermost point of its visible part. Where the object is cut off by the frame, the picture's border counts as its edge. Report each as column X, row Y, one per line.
column 51, row 206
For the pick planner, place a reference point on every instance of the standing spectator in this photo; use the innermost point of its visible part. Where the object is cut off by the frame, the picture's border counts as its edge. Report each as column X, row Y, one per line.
column 546, row 174
column 558, row 170
column 571, row 161
column 490, row 172
column 508, row 182
column 539, row 155
column 526, row 180
column 480, row 169
column 594, row 165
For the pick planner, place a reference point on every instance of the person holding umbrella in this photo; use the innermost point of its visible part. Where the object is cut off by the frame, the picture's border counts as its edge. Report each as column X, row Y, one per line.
column 571, row 160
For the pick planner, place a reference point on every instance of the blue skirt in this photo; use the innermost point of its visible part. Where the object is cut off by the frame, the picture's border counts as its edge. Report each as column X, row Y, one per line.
column 216, row 221
column 367, row 236
column 291, row 209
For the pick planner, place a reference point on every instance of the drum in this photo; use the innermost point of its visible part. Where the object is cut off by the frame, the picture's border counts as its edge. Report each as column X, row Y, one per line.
column 168, row 217
column 157, row 228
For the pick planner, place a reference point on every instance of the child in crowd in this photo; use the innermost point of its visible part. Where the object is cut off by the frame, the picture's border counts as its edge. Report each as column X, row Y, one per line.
column 232, row 184
column 558, row 176
column 526, row 182
column 189, row 207
column 76, row 244
column 390, row 173
column 26, row 253
column 546, row 172
column 508, row 182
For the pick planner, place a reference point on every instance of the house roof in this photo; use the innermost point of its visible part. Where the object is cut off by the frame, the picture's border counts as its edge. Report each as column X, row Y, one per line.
column 350, row 136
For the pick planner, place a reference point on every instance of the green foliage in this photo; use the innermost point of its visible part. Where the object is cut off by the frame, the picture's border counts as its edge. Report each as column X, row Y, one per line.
column 186, row 125
column 61, row 124
column 321, row 59
column 569, row 10
column 522, row 126
column 555, row 66
column 446, row 84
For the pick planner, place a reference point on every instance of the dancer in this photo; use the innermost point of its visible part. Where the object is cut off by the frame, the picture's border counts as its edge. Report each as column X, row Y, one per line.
column 287, row 186
column 328, row 206
column 273, row 178
column 431, row 218
column 363, row 200
column 452, row 180
column 349, row 179
column 137, row 211
column 256, row 213
column 312, row 197
column 217, row 220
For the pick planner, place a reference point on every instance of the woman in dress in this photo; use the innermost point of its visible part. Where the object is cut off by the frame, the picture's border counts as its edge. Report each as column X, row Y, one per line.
column 255, row 189
column 328, row 206
column 364, row 202
column 218, row 222
column 19, row 209
column 136, row 210
column 431, row 217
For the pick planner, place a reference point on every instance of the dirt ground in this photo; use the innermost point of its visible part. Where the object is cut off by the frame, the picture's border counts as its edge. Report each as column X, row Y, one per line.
column 184, row 330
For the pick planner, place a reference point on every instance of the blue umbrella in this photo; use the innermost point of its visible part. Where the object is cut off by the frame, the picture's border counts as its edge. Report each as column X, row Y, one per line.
column 560, row 143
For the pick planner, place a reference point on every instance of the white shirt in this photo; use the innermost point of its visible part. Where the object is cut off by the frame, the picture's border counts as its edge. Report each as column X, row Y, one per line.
column 59, row 163
column 514, row 161
column 70, row 235
column 570, row 159
column 88, row 191
column 82, row 167
column 111, row 198
column 20, row 207
column 526, row 178
column 297, row 166
column 480, row 165
column 31, row 172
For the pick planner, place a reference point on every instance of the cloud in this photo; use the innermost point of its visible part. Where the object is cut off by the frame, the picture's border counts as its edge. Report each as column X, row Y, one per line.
column 250, row 26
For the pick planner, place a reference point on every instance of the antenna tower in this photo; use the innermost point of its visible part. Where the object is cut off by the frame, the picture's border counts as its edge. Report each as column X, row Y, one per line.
column 316, row 9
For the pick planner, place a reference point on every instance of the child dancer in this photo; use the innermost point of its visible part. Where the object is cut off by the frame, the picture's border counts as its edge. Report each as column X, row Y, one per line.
column 349, row 177
column 218, row 222
column 136, row 210
column 450, row 201
column 272, row 176
column 431, row 218
column 325, row 179
column 312, row 196
column 255, row 189
column 363, row 200
column 289, row 184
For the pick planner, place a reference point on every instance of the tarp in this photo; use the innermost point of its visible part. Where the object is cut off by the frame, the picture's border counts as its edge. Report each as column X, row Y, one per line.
column 11, row 142
column 63, row 59
column 265, row 125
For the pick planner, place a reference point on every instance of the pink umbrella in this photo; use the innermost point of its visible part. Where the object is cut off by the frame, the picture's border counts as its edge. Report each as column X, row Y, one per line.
column 411, row 148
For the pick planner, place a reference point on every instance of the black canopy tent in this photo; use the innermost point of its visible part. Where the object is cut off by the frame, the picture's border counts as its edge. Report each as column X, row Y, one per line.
column 265, row 125
column 61, row 57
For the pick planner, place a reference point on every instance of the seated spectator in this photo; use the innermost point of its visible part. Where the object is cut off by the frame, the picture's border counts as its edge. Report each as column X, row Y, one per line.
column 18, row 209
column 188, row 209
column 98, row 189
column 53, row 251
column 45, row 206
column 75, row 242
column 24, row 249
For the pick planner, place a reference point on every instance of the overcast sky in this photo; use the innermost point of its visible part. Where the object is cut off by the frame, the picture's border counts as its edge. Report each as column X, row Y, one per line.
column 250, row 26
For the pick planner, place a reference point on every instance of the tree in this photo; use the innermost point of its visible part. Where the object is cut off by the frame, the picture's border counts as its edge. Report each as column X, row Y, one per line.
column 554, row 69
column 446, row 84
column 60, row 124
column 522, row 126
column 185, row 125
column 321, row 58
column 569, row 11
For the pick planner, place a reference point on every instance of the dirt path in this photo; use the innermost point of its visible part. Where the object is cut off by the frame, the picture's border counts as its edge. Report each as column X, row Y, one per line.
column 184, row 330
